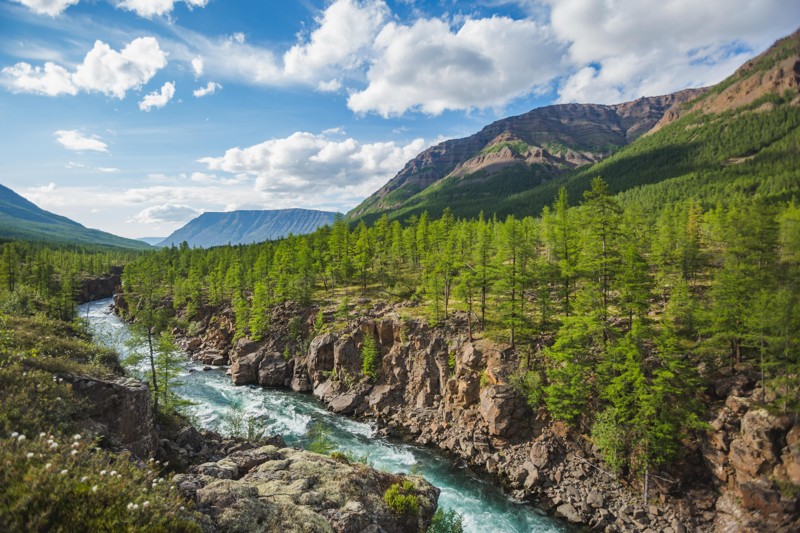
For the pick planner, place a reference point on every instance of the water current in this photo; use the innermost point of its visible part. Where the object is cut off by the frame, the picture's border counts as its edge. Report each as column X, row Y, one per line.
column 482, row 504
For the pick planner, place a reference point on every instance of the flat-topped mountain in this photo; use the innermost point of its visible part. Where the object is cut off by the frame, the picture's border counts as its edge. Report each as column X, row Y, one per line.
column 244, row 227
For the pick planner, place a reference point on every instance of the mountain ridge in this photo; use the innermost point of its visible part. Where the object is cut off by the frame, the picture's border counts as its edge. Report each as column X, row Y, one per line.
column 22, row 219
column 216, row 228
column 558, row 137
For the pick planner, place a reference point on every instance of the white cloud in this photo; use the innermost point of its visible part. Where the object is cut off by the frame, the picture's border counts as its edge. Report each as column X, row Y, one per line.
column 429, row 67
column 166, row 213
column 345, row 29
column 50, row 80
column 113, row 73
column 158, row 99
column 47, row 7
column 108, row 170
column 197, row 66
column 330, row 86
column 305, row 165
column 210, row 88
column 103, row 70
column 152, row 8
column 76, row 141
column 629, row 48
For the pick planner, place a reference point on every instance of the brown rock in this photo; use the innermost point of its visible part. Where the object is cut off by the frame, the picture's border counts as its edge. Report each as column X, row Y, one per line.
column 275, row 371
column 501, row 409
column 320, row 356
column 244, row 370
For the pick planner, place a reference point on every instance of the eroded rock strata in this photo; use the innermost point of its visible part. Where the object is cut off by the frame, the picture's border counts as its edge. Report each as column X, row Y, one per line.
column 435, row 387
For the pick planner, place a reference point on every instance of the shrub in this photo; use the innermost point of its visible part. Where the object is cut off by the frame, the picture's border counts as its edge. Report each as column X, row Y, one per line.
column 319, row 439
column 370, row 357
column 401, row 500
column 446, row 521
column 50, row 482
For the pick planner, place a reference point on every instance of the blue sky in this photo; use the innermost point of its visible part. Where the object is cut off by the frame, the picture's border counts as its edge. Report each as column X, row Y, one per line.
column 134, row 116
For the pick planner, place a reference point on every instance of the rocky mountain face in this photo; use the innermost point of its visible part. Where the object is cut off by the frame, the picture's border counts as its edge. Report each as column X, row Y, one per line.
column 245, row 227
column 559, row 137
column 23, row 220
column 435, row 387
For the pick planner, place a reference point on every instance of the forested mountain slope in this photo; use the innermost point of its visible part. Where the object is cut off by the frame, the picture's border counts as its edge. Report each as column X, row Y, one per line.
column 21, row 219
column 245, row 227
column 742, row 131
column 515, row 154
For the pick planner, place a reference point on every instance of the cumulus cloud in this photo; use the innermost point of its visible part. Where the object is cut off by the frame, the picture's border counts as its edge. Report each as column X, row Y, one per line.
column 103, row 70
column 630, row 48
column 429, row 67
column 50, row 80
column 47, row 7
column 210, row 88
column 310, row 164
column 78, row 142
column 166, row 213
column 344, row 31
column 158, row 99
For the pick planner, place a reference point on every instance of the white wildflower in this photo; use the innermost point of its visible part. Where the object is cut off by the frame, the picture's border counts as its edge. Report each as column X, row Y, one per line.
column 74, row 452
column 146, row 504
column 47, row 466
column 29, row 455
column 84, row 479
column 94, row 489
column 75, row 444
column 14, row 435
column 113, row 473
column 42, row 435
column 77, row 436
column 103, row 472
column 63, row 472
column 21, row 438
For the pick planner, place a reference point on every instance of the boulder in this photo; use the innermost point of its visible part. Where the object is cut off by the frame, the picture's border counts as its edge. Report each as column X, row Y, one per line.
column 275, row 371
column 502, row 410
column 119, row 409
column 346, row 356
column 244, row 370
column 268, row 489
column 320, row 356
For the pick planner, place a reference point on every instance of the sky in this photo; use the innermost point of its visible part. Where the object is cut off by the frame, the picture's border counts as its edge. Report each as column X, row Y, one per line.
column 135, row 116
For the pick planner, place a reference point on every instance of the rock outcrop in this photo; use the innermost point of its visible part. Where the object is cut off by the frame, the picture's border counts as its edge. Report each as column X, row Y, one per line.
column 273, row 489
column 434, row 387
column 119, row 411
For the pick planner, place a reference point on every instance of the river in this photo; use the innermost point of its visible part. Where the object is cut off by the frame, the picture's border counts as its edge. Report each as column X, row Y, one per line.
column 481, row 503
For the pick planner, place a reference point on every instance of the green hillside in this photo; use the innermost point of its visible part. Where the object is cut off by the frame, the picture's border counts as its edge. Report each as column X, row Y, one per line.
column 22, row 220
column 739, row 137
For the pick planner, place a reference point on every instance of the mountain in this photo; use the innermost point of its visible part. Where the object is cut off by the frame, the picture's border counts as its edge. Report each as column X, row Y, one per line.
column 21, row 219
column 153, row 241
column 243, row 227
column 515, row 165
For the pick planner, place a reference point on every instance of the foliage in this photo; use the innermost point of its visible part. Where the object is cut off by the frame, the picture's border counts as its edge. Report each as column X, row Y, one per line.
column 401, row 499
column 52, row 482
column 370, row 357
column 446, row 521
column 318, row 439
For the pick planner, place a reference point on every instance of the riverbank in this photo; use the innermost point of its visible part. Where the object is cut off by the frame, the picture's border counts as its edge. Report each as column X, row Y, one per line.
column 291, row 414
column 435, row 387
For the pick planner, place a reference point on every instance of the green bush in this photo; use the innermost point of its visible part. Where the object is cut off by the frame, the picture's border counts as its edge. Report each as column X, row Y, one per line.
column 401, row 500
column 370, row 357
column 446, row 521
column 56, row 483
